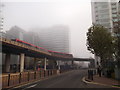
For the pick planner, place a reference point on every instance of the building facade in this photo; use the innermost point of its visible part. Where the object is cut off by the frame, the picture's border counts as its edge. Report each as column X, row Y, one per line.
column 1, row 18
column 105, row 14
column 54, row 38
column 15, row 32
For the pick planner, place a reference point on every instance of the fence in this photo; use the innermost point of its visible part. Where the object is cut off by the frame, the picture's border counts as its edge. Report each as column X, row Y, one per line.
column 14, row 79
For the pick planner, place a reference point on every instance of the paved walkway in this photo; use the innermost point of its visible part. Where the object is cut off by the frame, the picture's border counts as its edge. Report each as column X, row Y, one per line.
column 103, row 80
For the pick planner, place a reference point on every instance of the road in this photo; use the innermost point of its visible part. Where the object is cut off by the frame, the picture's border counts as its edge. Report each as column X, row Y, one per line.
column 71, row 79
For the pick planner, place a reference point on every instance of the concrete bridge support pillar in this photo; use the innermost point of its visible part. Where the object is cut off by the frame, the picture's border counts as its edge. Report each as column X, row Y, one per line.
column 22, row 58
column 45, row 64
column 7, row 62
column 58, row 65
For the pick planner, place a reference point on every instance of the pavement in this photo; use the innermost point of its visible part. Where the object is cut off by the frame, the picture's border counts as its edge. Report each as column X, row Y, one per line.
column 102, row 81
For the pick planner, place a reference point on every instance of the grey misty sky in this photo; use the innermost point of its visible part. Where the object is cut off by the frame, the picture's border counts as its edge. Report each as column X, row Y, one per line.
column 76, row 14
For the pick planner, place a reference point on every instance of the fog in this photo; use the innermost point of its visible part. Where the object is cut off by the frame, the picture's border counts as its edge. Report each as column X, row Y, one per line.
column 76, row 14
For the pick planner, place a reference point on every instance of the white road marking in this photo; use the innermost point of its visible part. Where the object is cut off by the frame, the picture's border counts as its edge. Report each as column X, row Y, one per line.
column 32, row 86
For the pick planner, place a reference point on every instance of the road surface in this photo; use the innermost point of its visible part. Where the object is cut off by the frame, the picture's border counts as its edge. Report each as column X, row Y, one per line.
column 71, row 79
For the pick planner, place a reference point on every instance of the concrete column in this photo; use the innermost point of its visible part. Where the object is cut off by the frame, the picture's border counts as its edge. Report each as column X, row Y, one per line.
column 58, row 64
column 7, row 62
column 22, row 58
column 45, row 63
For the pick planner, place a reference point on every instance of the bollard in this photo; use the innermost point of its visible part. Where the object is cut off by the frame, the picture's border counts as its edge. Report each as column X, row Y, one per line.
column 40, row 73
column 35, row 75
column 20, row 77
column 91, row 74
column 8, row 79
column 28, row 75
column 88, row 74
column 44, row 73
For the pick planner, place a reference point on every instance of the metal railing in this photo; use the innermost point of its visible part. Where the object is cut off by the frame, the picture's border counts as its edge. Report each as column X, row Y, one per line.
column 14, row 79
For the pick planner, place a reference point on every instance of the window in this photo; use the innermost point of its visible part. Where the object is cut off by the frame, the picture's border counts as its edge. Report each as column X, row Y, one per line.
column 114, row 15
column 114, row 11
column 115, row 20
column 103, row 11
column 104, row 20
column 113, row 4
column 103, row 16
